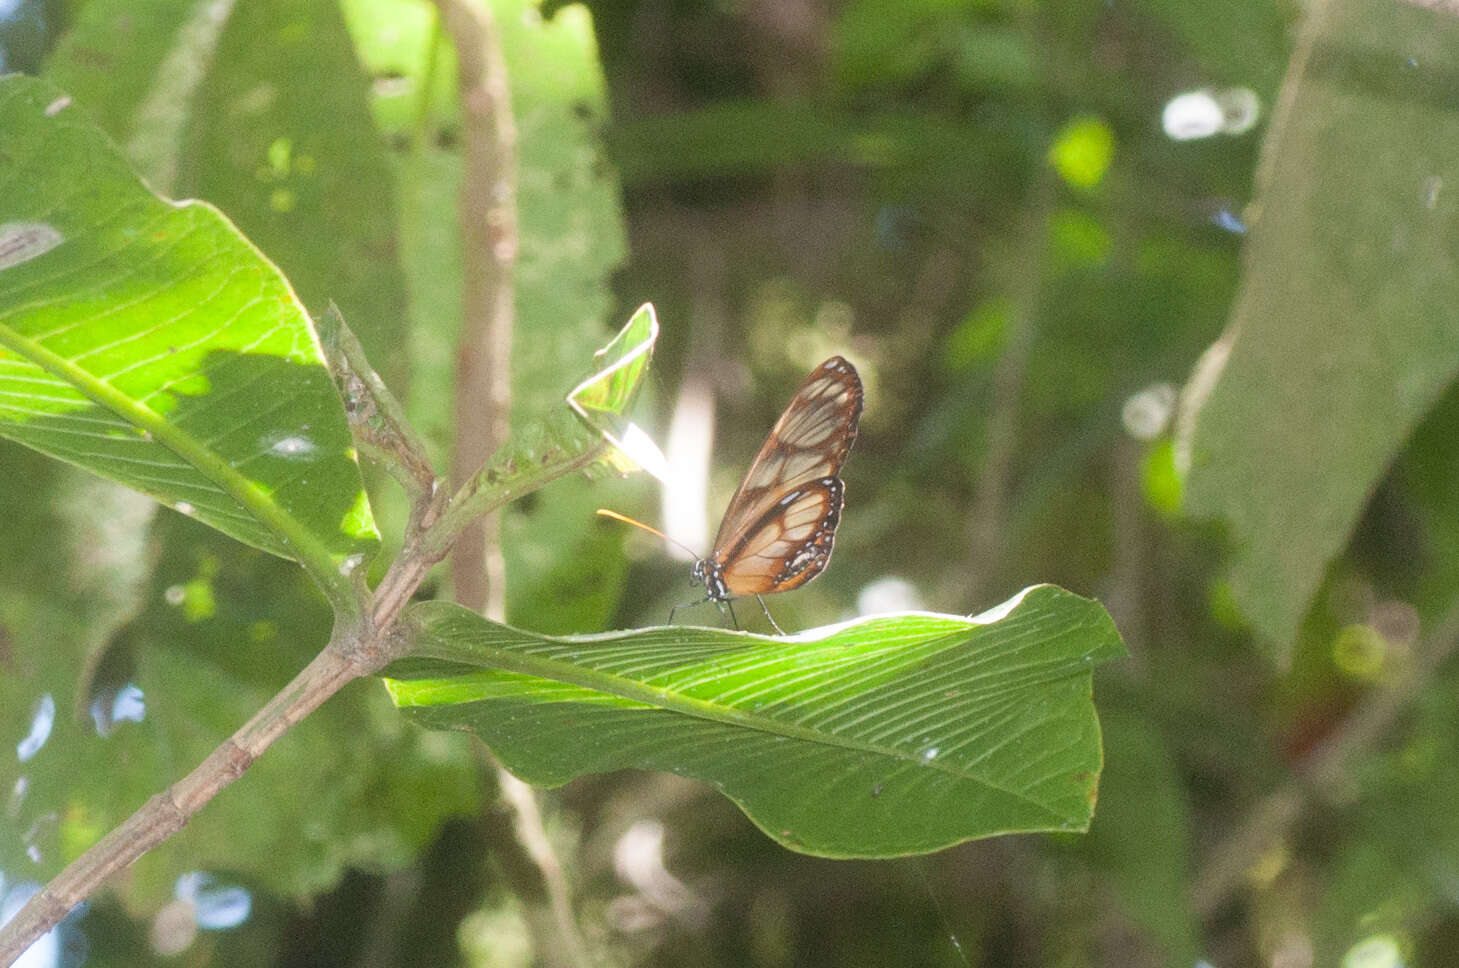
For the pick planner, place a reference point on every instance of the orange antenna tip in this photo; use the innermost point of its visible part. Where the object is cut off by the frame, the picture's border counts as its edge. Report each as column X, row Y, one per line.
column 639, row 524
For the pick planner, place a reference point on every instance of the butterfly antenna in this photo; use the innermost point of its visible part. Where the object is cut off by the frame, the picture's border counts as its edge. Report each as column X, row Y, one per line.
column 768, row 617
column 651, row 530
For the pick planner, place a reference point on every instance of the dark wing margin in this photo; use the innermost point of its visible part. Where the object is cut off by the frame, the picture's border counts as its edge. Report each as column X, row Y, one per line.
column 790, row 543
column 809, row 443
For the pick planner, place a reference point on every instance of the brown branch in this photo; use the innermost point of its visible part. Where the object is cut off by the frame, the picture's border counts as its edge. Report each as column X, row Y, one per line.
column 353, row 652
column 483, row 393
column 166, row 813
column 1325, row 775
column 489, row 254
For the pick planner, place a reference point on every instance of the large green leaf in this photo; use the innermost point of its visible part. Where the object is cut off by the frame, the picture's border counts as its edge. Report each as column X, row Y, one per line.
column 881, row 736
column 1343, row 334
column 150, row 343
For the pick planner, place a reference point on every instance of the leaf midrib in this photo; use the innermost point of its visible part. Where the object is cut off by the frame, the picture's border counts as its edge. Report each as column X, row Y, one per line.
column 557, row 670
column 308, row 551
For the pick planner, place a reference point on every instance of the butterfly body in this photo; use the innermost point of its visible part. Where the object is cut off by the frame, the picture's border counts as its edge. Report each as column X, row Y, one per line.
column 779, row 529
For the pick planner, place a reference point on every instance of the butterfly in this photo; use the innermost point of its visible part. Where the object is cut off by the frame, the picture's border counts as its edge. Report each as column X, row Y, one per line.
column 780, row 526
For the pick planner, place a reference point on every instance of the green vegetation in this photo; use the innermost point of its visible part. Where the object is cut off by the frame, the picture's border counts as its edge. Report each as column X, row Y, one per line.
column 1154, row 307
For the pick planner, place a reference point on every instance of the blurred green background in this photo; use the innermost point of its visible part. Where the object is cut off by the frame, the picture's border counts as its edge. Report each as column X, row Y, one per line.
column 1154, row 299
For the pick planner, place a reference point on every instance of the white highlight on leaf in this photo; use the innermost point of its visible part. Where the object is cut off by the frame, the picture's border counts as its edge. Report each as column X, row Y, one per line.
column 124, row 705
column 642, row 450
column 1192, row 115
column 348, row 565
column 999, row 612
column 22, row 241
column 638, row 860
column 216, row 907
column 58, row 105
column 1375, row 951
column 686, row 486
column 293, row 447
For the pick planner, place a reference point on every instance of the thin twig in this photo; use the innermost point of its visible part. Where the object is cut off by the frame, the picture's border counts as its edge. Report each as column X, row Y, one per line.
column 489, row 254
column 1325, row 775
column 166, row 813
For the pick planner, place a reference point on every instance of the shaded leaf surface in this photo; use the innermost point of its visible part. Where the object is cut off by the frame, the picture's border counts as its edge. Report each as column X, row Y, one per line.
column 883, row 736
column 151, row 343
column 1343, row 334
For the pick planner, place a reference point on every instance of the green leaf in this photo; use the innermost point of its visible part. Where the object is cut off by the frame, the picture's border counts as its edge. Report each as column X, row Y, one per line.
column 150, row 343
column 1342, row 336
column 882, row 736
column 603, row 398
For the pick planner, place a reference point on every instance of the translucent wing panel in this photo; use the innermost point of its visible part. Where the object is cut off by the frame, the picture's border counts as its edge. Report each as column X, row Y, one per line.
column 809, row 442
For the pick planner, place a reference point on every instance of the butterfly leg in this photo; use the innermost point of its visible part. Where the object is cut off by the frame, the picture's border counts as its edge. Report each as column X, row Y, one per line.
column 683, row 605
column 727, row 605
column 768, row 617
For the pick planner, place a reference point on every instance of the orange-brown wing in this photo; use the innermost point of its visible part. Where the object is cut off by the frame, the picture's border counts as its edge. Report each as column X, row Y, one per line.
column 790, row 543
column 809, row 442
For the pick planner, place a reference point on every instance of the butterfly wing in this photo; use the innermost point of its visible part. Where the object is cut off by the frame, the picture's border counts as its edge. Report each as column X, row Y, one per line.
column 779, row 528
column 790, row 544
